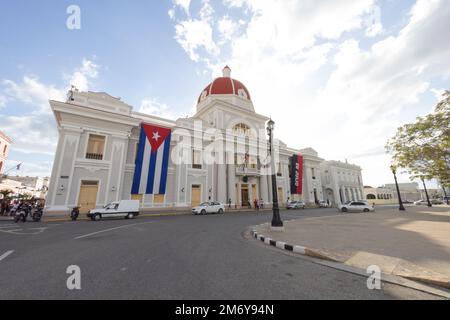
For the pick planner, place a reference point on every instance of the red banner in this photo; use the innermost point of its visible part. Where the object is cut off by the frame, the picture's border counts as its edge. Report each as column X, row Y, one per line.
column 297, row 174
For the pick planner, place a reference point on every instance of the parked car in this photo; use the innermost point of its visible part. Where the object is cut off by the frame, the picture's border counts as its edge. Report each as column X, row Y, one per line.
column 125, row 209
column 296, row 205
column 355, row 206
column 323, row 204
column 437, row 201
column 209, row 207
column 421, row 203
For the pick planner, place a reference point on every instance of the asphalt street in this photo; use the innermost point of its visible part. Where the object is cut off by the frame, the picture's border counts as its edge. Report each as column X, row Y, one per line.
column 170, row 257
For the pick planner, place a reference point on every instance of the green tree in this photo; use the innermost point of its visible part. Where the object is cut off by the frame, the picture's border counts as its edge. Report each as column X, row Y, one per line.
column 422, row 148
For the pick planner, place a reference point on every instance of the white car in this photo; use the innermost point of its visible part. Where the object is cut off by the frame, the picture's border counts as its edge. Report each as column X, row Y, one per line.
column 125, row 209
column 209, row 207
column 323, row 204
column 421, row 203
column 356, row 206
column 296, row 205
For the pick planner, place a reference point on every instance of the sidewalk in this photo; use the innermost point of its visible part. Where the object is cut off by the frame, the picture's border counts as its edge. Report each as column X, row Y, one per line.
column 414, row 244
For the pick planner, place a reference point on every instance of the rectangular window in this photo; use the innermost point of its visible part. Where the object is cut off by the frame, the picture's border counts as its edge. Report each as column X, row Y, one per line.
column 280, row 170
column 196, row 159
column 96, row 147
column 313, row 173
column 253, row 162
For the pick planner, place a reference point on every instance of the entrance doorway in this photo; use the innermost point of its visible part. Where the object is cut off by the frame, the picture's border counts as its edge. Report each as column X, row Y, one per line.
column 254, row 192
column 87, row 199
column 196, row 194
column 244, row 195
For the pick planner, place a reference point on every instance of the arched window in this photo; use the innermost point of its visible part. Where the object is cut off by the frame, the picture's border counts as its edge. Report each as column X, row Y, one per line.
column 371, row 197
column 241, row 129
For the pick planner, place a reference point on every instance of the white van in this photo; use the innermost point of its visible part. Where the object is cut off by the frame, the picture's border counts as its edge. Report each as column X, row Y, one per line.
column 125, row 208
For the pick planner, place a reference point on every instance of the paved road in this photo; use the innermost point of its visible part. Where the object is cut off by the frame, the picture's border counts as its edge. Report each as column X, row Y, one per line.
column 182, row 257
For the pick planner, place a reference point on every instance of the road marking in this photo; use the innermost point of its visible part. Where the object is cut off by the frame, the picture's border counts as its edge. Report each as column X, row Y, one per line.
column 7, row 253
column 111, row 229
column 24, row 231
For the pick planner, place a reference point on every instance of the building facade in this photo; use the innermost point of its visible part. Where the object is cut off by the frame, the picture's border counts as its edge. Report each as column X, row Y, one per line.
column 341, row 182
column 380, row 195
column 409, row 191
column 5, row 143
column 98, row 148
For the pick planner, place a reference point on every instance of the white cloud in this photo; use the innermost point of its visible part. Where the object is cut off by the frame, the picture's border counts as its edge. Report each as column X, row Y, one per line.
column 196, row 34
column 185, row 4
column 31, row 92
column 35, row 131
column 343, row 99
column 438, row 94
column 227, row 28
column 82, row 76
column 3, row 101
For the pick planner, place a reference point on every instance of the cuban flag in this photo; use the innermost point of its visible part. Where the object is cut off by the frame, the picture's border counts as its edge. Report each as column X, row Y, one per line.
column 150, row 175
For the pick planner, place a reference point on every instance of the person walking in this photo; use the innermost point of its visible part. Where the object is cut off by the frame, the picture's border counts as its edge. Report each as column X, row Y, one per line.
column 3, row 207
column 256, row 205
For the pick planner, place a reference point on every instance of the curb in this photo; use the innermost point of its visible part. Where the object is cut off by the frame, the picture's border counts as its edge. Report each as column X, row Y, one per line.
column 315, row 254
column 291, row 248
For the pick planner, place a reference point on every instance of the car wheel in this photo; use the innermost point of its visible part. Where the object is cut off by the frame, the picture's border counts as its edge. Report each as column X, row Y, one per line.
column 130, row 216
column 344, row 209
column 203, row 212
column 97, row 217
column 220, row 211
column 366, row 210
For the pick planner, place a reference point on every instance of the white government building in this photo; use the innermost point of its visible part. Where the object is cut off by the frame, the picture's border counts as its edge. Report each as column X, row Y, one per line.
column 98, row 146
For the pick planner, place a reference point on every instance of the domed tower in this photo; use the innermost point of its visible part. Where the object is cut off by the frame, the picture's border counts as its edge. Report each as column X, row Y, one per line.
column 226, row 89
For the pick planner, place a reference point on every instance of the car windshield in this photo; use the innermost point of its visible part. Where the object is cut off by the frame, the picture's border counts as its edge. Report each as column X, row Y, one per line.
column 204, row 204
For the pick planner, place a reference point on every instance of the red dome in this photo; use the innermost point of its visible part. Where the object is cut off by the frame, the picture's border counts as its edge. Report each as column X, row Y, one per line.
column 225, row 85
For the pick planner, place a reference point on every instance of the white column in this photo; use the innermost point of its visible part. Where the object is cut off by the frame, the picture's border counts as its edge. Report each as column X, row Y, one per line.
column 221, row 183
column 264, row 189
column 231, row 183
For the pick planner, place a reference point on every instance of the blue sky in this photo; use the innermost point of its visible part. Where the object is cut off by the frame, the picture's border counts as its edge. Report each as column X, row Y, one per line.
column 345, row 73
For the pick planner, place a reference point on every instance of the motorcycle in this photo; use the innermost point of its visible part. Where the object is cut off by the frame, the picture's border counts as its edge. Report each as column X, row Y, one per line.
column 37, row 214
column 22, row 213
column 75, row 213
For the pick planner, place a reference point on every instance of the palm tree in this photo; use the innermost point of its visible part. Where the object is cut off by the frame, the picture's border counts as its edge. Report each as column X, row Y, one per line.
column 5, row 193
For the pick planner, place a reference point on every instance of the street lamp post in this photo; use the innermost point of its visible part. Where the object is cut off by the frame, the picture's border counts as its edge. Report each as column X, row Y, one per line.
column 426, row 192
column 401, row 207
column 277, row 223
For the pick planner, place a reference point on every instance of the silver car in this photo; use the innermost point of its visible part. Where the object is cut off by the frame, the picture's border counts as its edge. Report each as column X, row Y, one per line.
column 296, row 205
column 356, row 206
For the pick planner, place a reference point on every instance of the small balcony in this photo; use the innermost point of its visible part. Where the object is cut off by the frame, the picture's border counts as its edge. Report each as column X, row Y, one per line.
column 94, row 156
column 240, row 171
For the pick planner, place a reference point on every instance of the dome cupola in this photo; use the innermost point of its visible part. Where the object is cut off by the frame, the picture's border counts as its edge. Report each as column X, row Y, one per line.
column 225, row 85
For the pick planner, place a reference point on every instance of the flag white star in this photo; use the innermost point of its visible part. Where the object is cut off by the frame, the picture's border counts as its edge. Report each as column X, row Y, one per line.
column 156, row 136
